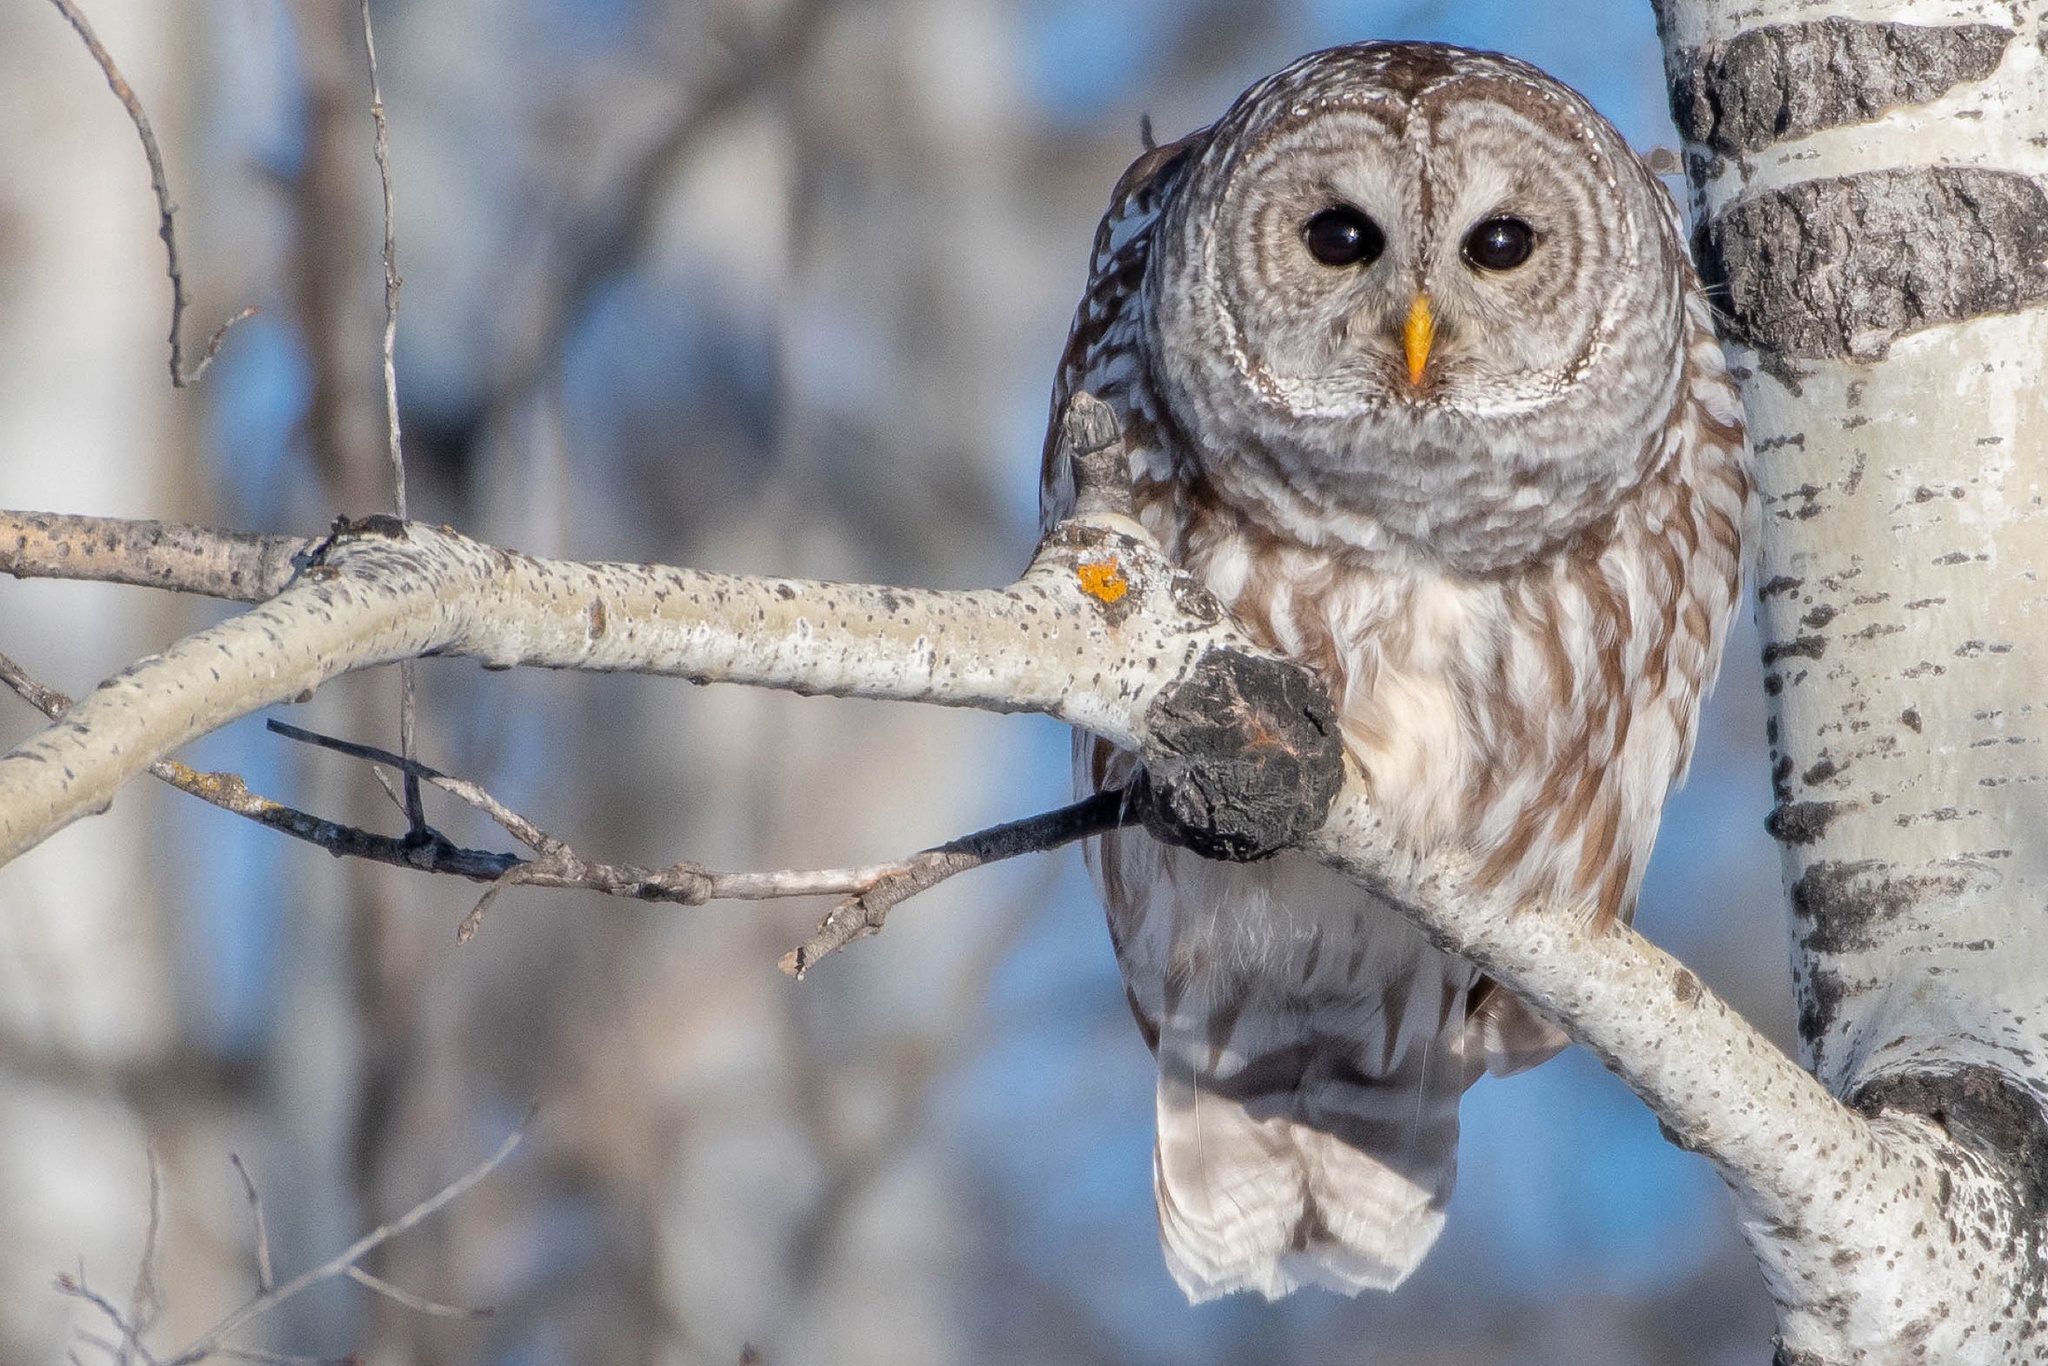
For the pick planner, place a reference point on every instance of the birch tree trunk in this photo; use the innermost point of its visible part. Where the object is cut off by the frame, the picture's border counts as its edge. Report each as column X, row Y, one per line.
column 1868, row 195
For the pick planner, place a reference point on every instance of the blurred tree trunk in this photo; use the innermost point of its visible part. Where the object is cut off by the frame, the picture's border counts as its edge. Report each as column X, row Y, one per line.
column 1871, row 215
column 88, row 960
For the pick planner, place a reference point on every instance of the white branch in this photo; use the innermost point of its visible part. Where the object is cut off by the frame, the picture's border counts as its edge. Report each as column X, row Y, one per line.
column 1050, row 643
column 400, row 592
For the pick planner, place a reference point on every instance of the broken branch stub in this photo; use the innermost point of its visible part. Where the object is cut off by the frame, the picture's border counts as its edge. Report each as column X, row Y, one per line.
column 1243, row 758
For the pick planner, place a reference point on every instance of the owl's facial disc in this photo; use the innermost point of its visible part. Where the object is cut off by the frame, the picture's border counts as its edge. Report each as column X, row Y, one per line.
column 1401, row 278
column 1488, row 202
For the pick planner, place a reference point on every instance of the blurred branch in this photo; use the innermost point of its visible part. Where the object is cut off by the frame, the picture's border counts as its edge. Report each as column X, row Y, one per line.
column 264, row 1279
column 416, row 1303
column 921, row 1063
column 159, row 181
column 131, row 1327
column 600, row 249
column 408, row 700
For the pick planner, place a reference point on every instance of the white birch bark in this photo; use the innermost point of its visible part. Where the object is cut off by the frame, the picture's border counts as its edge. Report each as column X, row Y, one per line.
column 1869, row 187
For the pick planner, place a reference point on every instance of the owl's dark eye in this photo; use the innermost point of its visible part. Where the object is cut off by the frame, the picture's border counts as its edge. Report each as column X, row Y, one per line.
column 1342, row 236
column 1500, row 244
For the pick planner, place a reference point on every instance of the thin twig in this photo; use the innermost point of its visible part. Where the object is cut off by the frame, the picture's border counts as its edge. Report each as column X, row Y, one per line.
column 416, row 1303
column 266, row 1358
column 263, row 1273
column 870, row 892
column 230, row 792
column 408, row 700
column 159, row 181
column 146, row 1303
column 342, row 1263
column 130, row 1339
column 392, row 282
column 863, row 913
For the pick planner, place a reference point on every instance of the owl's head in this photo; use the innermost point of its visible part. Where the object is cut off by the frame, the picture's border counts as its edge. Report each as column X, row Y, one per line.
column 1425, row 289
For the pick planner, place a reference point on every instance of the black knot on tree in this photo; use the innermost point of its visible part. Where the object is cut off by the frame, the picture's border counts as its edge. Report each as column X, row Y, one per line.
column 1244, row 758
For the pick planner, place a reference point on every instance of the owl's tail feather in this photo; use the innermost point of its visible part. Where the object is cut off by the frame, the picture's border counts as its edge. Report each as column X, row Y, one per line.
column 1310, row 1150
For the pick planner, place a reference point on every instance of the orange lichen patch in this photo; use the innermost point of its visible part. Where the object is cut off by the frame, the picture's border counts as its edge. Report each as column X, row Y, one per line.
column 1104, row 580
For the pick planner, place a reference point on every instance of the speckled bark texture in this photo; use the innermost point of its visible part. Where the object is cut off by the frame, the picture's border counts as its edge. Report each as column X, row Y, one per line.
column 1869, row 189
column 1101, row 632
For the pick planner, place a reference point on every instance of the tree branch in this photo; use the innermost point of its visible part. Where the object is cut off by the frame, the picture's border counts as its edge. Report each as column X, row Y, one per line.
column 159, row 182
column 344, row 1263
column 1240, row 754
column 871, row 891
column 238, row 566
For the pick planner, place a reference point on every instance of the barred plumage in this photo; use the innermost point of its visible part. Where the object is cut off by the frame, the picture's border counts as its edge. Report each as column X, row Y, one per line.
column 1513, row 562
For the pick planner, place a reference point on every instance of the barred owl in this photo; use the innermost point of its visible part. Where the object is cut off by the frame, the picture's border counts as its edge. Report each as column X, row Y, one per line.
column 1416, row 378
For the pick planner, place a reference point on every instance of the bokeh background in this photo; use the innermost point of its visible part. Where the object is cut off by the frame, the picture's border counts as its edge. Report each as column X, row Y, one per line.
column 769, row 285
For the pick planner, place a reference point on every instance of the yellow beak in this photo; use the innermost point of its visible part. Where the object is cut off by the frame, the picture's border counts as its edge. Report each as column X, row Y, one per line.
column 1419, row 333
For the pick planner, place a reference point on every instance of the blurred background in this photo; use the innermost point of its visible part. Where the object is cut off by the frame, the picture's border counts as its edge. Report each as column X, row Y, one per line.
column 764, row 285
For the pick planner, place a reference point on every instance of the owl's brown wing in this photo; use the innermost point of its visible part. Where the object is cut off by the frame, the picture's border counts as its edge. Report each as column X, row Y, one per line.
column 1103, row 355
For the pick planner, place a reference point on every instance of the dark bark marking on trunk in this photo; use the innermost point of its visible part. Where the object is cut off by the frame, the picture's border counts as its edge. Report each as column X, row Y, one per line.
column 1244, row 760
column 1819, row 995
column 1802, row 647
column 1789, row 80
column 1838, row 907
column 1842, row 267
column 1801, row 822
column 1983, row 1109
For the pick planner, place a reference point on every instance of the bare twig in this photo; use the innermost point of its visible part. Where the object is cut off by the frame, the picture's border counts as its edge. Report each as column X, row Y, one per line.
column 263, row 1273
column 159, row 181
column 230, row 792
column 392, row 282
column 864, row 912
column 870, row 891
column 418, row 1304
column 145, row 1303
column 408, row 703
column 128, row 1346
column 344, row 1262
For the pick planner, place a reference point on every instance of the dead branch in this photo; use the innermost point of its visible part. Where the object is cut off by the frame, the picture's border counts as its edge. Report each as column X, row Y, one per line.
column 159, row 181
column 871, row 891
column 263, row 1273
column 344, row 1263
column 408, row 701
column 864, row 912
column 230, row 792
